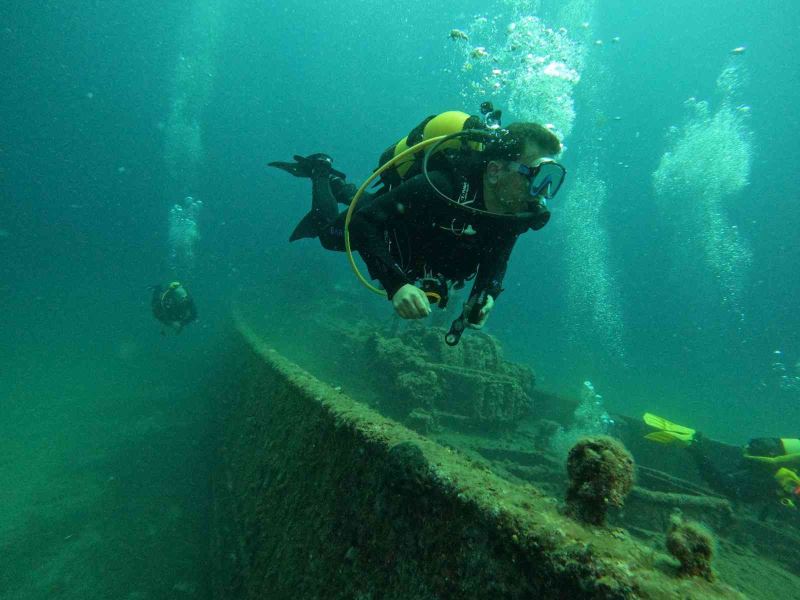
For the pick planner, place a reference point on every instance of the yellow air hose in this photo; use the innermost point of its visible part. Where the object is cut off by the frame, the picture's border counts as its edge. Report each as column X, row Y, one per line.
column 387, row 165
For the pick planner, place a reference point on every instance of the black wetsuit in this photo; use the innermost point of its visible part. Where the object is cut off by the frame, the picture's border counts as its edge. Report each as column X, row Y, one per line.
column 171, row 307
column 728, row 473
column 410, row 231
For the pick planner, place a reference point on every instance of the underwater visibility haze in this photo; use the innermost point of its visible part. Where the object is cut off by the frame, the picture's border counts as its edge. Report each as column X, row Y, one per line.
column 133, row 151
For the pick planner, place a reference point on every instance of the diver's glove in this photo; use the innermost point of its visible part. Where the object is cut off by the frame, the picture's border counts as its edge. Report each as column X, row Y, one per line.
column 480, row 314
column 476, row 311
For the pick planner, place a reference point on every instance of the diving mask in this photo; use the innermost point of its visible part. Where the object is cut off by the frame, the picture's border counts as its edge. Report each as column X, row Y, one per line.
column 544, row 178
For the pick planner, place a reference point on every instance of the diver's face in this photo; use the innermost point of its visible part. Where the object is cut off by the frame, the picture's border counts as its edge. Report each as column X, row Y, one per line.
column 508, row 189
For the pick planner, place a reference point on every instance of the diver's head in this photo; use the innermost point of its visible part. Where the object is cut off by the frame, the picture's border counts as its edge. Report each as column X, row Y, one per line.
column 520, row 174
column 177, row 291
column 769, row 447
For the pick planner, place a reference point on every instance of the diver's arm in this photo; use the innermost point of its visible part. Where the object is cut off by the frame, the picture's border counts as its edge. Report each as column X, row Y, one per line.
column 369, row 225
column 489, row 281
column 492, row 268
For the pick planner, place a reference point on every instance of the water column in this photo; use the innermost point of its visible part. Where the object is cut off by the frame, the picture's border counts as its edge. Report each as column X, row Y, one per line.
column 531, row 66
column 699, row 177
column 184, row 151
column 526, row 67
column 594, row 305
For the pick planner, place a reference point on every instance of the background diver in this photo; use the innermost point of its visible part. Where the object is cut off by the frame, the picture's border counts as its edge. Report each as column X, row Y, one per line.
column 173, row 306
column 764, row 471
column 441, row 220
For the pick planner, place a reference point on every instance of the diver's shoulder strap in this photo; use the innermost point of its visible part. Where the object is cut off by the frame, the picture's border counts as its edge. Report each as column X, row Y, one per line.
column 416, row 135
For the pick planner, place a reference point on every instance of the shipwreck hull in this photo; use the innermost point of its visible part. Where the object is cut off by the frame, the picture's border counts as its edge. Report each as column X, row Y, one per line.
column 318, row 496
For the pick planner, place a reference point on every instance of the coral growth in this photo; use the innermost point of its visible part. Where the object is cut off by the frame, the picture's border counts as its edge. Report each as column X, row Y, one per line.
column 693, row 545
column 473, row 383
column 600, row 473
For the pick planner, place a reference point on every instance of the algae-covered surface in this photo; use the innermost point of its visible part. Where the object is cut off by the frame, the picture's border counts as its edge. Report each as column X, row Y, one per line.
column 509, row 477
column 370, row 509
column 513, row 458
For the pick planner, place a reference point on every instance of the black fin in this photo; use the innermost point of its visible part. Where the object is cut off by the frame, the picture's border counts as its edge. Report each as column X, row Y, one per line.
column 296, row 169
column 306, row 228
column 304, row 166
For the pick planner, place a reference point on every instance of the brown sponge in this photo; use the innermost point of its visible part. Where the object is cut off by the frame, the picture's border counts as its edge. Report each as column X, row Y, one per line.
column 600, row 473
column 693, row 545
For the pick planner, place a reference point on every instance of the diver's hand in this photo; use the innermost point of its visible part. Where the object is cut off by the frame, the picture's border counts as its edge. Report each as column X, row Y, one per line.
column 484, row 314
column 410, row 302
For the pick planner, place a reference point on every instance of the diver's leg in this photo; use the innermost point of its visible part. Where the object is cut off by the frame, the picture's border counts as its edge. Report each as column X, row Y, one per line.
column 324, row 209
column 715, row 476
column 323, row 202
column 324, row 220
column 331, row 236
column 342, row 190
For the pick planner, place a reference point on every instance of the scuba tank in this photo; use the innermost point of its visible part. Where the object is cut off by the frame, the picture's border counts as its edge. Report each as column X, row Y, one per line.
column 448, row 154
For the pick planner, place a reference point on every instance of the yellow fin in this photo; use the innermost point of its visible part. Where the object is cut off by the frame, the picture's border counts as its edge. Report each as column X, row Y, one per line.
column 666, row 437
column 661, row 423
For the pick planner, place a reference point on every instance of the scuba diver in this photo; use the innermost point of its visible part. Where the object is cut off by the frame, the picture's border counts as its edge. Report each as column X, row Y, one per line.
column 765, row 470
column 173, row 306
column 443, row 216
